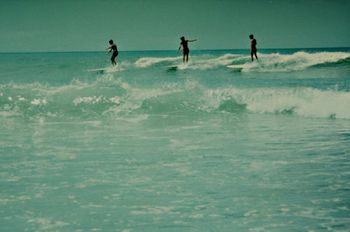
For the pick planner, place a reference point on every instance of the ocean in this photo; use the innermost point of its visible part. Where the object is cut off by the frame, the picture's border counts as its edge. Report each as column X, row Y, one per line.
column 218, row 144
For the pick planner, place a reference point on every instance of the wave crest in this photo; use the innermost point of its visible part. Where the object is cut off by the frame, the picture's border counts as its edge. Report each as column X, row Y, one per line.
column 293, row 62
column 145, row 62
column 306, row 102
column 274, row 62
column 108, row 96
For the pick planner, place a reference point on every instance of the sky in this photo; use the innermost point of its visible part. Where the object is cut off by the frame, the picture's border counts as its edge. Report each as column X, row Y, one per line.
column 87, row 25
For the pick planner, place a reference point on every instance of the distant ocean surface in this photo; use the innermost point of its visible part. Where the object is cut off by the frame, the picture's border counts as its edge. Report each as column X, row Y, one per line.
column 218, row 144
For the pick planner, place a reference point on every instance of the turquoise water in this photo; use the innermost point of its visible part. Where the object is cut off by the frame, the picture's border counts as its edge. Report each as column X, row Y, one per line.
column 220, row 144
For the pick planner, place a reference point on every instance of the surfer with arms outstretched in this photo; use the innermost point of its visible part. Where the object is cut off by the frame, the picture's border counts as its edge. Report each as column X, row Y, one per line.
column 253, row 49
column 113, row 48
column 185, row 49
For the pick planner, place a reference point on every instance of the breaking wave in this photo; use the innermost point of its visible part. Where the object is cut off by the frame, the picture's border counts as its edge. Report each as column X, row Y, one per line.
column 109, row 96
column 274, row 62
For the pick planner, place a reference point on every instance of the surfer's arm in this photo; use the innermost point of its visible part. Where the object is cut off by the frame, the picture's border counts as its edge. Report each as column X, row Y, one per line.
column 109, row 49
column 192, row 40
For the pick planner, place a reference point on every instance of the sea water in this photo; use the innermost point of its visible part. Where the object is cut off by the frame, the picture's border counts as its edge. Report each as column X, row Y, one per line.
column 218, row 144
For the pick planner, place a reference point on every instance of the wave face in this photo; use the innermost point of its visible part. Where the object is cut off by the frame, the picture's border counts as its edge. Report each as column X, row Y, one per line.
column 300, row 83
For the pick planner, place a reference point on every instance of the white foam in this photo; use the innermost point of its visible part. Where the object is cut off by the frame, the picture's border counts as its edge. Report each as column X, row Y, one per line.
column 95, row 100
column 274, row 62
column 292, row 62
column 145, row 62
column 306, row 102
column 38, row 102
column 205, row 63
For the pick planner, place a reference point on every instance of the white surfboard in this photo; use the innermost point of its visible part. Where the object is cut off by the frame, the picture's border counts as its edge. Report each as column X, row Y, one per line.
column 177, row 67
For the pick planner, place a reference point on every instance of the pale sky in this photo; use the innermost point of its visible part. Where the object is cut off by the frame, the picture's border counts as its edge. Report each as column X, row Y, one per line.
column 87, row 25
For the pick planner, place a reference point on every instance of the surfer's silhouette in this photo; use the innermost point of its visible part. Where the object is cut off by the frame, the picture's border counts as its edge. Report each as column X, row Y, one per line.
column 113, row 47
column 253, row 49
column 185, row 49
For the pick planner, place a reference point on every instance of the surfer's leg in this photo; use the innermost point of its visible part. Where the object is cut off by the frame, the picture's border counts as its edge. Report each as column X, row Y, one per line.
column 113, row 58
column 185, row 56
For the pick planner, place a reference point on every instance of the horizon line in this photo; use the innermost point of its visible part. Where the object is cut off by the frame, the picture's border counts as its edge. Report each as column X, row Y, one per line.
column 167, row 50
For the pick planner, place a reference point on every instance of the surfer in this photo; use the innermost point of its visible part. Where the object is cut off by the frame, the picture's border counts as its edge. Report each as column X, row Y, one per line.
column 253, row 49
column 185, row 49
column 113, row 47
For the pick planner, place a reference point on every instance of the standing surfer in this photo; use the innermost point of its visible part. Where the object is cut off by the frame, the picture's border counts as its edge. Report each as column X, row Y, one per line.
column 113, row 47
column 253, row 49
column 185, row 49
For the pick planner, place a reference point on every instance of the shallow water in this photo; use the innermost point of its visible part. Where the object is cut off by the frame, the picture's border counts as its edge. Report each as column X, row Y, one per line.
column 203, row 147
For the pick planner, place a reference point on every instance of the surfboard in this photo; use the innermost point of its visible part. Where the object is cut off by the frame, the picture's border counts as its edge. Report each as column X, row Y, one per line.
column 97, row 70
column 109, row 69
column 172, row 68
column 177, row 67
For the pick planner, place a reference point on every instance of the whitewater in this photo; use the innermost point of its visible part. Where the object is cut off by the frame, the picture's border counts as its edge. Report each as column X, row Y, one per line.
column 218, row 144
